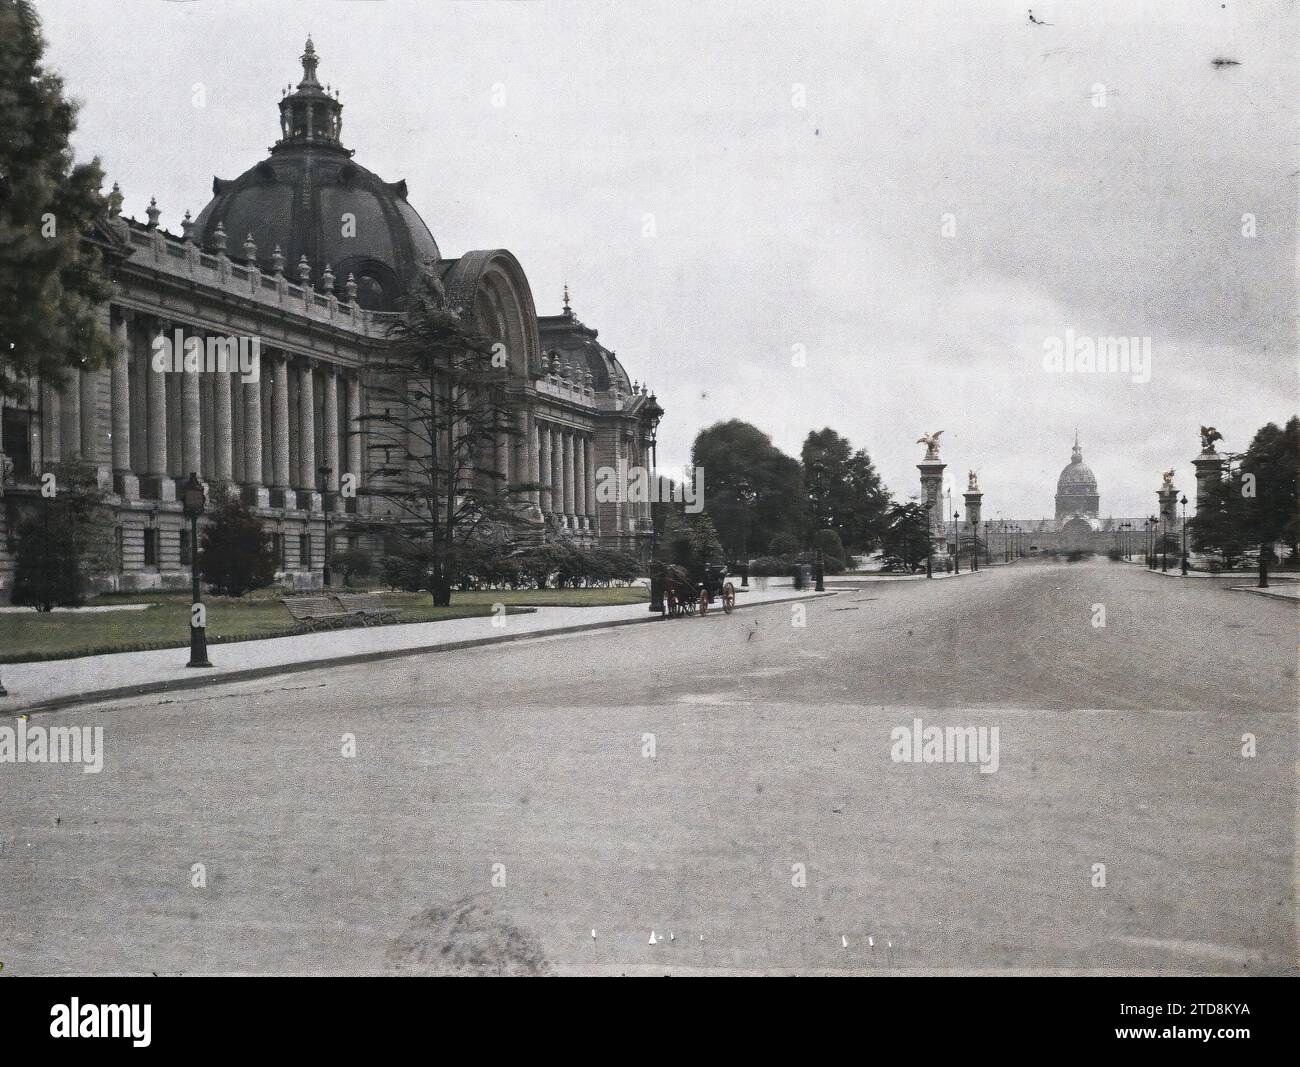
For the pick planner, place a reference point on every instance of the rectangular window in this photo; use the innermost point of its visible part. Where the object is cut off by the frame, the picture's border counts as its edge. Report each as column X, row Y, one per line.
column 277, row 549
column 151, row 548
column 185, row 546
column 16, row 441
column 119, row 545
column 304, row 551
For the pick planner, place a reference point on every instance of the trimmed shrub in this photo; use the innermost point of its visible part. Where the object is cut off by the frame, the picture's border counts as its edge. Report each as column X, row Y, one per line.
column 236, row 554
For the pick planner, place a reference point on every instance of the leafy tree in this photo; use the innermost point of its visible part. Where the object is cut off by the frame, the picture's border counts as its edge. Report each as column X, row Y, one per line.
column 844, row 490
column 557, row 560
column 64, row 541
column 352, row 563
column 828, row 543
column 907, row 534
column 404, row 571
column 752, row 490
column 237, row 554
column 784, row 544
column 1219, row 524
column 688, row 541
column 445, row 410
column 53, row 285
column 1254, row 506
column 1269, row 473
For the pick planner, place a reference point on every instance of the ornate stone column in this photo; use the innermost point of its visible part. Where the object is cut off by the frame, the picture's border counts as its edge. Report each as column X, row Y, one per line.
column 223, row 433
column 237, row 436
column 589, row 444
column 161, row 487
column 125, row 483
column 330, row 424
column 70, row 417
column 255, row 492
column 280, row 425
column 501, row 457
column 1168, row 497
column 207, row 400
column 974, row 505
column 534, row 462
column 51, row 429
column 1209, row 472
column 580, row 480
column 566, row 438
column 932, row 469
column 543, row 431
column 191, row 423
column 307, row 434
column 355, row 460
column 90, row 449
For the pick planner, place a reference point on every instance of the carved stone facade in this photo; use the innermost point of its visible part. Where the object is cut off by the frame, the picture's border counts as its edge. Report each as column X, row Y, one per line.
column 285, row 436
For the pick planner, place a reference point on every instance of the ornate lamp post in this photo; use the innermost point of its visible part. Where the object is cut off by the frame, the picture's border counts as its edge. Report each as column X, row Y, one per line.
column 746, row 493
column 325, row 473
column 1184, row 565
column 956, row 542
column 193, row 501
column 988, row 542
column 651, row 414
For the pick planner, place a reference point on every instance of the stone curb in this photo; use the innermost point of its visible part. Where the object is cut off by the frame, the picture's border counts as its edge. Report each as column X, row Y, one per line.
column 96, row 696
column 1263, row 592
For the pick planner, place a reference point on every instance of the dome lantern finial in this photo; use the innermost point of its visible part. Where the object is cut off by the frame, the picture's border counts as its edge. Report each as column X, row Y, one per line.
column 1076, row 455
column 309, row 61
column 311, row 113
column 567, row 309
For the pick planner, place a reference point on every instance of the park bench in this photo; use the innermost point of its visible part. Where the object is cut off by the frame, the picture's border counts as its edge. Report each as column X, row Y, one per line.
column 317, row 612
column 368, row 609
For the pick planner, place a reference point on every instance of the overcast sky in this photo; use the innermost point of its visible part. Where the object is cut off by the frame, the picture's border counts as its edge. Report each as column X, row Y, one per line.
column 778, row 225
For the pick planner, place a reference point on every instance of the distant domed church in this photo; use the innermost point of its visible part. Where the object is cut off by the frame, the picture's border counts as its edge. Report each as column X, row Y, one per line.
column 1077, row 502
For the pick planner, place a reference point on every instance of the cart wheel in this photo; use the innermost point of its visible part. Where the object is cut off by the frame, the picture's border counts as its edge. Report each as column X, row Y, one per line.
column 728, row 597
column 704, row 602
column 688, row 606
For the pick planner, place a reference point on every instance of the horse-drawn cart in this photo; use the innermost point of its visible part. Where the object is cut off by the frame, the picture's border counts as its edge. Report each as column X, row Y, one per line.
column 684, row 593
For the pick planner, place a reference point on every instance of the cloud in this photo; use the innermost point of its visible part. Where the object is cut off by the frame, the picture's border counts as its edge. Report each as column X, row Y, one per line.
column 817, row 225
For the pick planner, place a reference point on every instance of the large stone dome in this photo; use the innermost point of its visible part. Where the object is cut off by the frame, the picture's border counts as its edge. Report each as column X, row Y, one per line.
column 1076, row 488
column 310, row 199
column 1077, row 478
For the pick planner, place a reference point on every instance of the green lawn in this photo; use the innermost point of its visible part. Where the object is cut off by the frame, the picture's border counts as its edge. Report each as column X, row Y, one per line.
column 26, row 636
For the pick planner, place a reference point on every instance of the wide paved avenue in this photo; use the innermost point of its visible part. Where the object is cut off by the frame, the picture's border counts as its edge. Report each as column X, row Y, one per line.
column 725, row 782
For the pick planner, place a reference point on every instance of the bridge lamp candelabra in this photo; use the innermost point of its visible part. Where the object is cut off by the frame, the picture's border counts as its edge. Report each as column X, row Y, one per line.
column 956, row 543
column 1185, row 565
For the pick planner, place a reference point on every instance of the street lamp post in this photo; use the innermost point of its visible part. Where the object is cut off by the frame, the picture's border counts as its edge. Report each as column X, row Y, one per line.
column 743, row 490
column 652, row 414
column 1184, row 564
column 956, row 542
column 325, row 473
column 988, row 542
column 193, row 501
